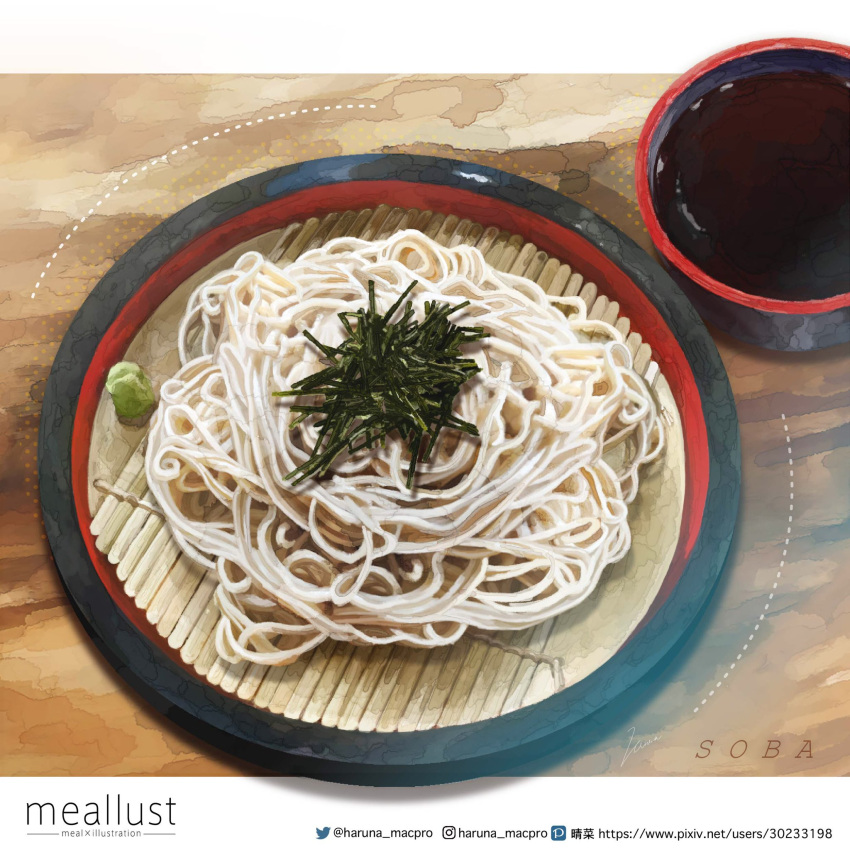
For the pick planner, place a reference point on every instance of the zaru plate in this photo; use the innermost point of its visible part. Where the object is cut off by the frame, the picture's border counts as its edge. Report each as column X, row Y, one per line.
column 392, row 715
column 389, row 688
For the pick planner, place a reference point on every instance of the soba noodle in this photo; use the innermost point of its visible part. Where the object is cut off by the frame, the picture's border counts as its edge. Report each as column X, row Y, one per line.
column 498, row 532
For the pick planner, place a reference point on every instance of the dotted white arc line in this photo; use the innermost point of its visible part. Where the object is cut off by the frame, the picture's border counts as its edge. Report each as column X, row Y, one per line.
column 164, row 158
column 778, row 572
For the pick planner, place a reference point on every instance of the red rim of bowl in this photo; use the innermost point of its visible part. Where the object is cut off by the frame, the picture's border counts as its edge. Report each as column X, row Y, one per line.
column 647, row 208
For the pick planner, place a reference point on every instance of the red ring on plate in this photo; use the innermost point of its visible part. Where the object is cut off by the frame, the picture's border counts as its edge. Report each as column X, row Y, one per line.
column 555, row 239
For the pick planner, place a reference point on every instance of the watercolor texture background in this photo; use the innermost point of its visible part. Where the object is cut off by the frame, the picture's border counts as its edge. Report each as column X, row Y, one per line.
column 66, row 142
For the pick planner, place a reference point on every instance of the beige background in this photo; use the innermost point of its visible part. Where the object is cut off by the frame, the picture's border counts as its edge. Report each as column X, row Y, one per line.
column 67, row 142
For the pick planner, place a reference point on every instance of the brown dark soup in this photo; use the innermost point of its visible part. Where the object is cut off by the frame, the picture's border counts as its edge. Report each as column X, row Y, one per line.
column 752, row 184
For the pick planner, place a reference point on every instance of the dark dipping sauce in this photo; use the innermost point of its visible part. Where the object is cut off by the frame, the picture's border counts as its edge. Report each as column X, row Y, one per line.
column 752, row 185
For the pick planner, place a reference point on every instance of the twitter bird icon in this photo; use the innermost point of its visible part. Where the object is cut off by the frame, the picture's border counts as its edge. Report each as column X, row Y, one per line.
column 323, row 833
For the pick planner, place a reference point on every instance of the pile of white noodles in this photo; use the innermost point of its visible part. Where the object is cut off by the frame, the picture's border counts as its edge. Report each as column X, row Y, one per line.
column 499, row 532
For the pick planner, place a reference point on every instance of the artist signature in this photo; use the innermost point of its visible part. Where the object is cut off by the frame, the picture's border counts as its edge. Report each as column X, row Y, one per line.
column 636, row 746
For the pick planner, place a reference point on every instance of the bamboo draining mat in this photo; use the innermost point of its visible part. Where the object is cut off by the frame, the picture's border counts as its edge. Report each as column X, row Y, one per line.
column 385, row 688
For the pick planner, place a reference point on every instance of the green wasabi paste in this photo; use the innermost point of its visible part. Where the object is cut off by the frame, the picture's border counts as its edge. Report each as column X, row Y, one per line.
column 130, row 389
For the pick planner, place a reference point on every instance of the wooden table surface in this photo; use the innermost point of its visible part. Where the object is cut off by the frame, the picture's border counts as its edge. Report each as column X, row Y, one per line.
column 80, row 185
